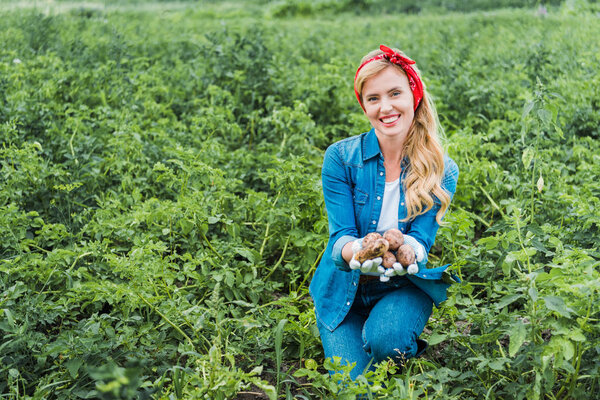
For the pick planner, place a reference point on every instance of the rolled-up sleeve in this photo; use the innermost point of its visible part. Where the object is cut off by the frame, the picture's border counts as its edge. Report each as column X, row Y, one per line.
column 337, row 192
column 424, row 227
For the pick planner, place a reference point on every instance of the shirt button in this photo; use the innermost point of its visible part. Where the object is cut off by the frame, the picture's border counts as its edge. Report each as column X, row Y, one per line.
column 402, row 203
column 348, row 303
column 373, row 222
column 381, row 174
column 354, row 283
column 378, row 197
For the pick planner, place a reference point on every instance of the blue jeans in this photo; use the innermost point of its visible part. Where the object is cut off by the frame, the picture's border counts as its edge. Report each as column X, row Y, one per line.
column 384, row 321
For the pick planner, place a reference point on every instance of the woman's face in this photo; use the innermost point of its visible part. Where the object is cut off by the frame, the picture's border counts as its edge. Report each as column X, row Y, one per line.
column 389, row 103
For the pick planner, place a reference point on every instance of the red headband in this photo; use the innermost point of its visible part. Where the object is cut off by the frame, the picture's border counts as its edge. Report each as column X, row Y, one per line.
column 416, row 86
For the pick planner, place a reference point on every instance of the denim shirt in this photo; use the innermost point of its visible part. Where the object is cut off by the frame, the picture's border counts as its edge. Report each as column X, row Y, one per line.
column 353, row 178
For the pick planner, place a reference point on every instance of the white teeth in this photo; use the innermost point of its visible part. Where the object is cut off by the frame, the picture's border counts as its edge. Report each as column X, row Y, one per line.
column 390, row 119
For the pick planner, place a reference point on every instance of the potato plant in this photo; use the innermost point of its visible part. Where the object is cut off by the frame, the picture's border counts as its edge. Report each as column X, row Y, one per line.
column 161, row 212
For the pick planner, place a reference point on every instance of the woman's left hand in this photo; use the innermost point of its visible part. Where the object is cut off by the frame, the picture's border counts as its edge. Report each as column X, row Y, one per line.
column 420, row 261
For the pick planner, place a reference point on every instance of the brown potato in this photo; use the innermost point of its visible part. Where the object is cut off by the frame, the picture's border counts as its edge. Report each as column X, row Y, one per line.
column 388, row 260
column 395, row 237
column 405, row 255
column 370, row 238
column 374, row 250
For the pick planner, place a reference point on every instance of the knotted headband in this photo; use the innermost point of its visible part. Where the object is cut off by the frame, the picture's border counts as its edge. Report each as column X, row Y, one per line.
column 416, row 86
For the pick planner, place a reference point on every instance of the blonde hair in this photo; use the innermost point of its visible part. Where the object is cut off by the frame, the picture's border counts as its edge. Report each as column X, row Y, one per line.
column 423, row 180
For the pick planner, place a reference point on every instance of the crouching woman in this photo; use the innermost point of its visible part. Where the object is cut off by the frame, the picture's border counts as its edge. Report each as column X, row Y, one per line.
column 394, row 176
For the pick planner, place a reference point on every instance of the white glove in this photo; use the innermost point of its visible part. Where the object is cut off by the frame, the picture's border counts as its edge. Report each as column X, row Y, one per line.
column 420, row 259
column 368, row 267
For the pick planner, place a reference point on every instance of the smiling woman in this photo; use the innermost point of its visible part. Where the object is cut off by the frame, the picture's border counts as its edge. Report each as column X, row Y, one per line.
column 395, row 176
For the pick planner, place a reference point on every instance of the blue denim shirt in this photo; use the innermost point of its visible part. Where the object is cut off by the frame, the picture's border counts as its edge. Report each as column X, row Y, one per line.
column 353, row 178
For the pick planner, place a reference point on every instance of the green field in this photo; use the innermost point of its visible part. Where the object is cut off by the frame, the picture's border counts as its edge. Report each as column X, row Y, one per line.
column 161, row 213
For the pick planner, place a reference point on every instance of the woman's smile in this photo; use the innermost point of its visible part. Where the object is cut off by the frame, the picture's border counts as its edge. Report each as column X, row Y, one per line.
column 390, row 120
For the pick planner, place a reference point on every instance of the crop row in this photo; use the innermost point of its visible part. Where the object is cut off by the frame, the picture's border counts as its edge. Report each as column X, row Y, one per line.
column 161, row 211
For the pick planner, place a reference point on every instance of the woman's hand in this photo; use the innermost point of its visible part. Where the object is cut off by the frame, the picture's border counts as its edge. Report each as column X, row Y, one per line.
column 367, row 267
column 418, row 262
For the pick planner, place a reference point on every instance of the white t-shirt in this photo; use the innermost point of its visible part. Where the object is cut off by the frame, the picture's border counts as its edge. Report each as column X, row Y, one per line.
column 389, row 208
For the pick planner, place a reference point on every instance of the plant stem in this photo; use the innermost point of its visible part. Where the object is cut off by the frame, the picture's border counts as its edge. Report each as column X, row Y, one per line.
column 210, row 246
column 167, row 320
column 280, row 259
column 310, row 271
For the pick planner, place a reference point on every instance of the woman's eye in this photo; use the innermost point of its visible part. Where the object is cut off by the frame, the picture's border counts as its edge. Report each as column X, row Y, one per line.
column 396, row 93
column 371, row 98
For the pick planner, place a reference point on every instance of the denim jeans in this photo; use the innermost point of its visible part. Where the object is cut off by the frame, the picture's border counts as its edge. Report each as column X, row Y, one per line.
column 384, row 321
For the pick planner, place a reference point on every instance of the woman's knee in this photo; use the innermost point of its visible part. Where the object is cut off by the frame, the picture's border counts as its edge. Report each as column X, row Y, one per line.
column 395, row 323
column 399, row 347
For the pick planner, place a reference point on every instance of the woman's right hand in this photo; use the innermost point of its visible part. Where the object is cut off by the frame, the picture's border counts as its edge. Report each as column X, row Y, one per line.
column 368, row 267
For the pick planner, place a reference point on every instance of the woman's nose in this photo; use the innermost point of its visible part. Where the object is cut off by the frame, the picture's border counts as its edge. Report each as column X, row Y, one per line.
column 386, row 105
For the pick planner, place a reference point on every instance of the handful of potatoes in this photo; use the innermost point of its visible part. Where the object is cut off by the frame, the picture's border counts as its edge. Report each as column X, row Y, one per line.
column 395, row 254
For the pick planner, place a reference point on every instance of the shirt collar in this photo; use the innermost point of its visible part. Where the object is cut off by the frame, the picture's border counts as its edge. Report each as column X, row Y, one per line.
column 370, row 145
column 370, row 148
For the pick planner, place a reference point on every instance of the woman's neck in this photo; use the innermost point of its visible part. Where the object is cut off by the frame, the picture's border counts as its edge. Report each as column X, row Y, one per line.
column 392, row 150
column 392, row 158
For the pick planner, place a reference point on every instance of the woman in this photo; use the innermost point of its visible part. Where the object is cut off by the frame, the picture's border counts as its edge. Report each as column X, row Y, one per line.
column 394, row 176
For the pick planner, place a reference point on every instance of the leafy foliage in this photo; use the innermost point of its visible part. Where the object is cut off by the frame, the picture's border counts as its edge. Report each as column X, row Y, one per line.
column 161, row 211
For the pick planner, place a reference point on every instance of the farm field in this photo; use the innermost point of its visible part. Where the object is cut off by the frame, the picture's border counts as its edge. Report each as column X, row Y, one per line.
column 161, row 212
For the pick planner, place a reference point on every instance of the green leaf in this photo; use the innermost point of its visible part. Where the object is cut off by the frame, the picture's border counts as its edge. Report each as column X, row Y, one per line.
column 527, row 109
column 506, row 300
column 498, row 364
column 577, row 336
column 517, row 337
column 73, row 366
column 9, row 317
column 567, row 347
column 269, row 390
column 544, row 115
column 278, row 348
column 527, row 157
column 247, row 253
column 489, row 242
column 557, row 305
column 436, row 338
column 256, row 370
column 533, row 293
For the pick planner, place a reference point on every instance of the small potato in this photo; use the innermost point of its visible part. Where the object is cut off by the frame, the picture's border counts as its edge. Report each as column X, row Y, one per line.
column 374, row 250
column 395, row 237
column 405, row 255
column 388, row 260
column 370, row 238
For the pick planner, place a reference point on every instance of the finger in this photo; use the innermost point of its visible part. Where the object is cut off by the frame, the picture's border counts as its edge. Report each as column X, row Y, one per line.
column 354, row 264
column 384, row 278
column 377, row 261
column 420, row 254
column 368, row 265
column 412, row 269
column 398, row 267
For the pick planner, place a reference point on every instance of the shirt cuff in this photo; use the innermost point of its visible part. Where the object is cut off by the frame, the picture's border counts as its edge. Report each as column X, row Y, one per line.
column 336, row 252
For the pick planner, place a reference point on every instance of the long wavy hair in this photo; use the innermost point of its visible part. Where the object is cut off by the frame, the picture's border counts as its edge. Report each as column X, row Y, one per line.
column 422, row 147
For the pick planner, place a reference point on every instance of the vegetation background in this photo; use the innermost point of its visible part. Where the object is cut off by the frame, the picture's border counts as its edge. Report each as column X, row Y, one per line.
column 161, row 211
